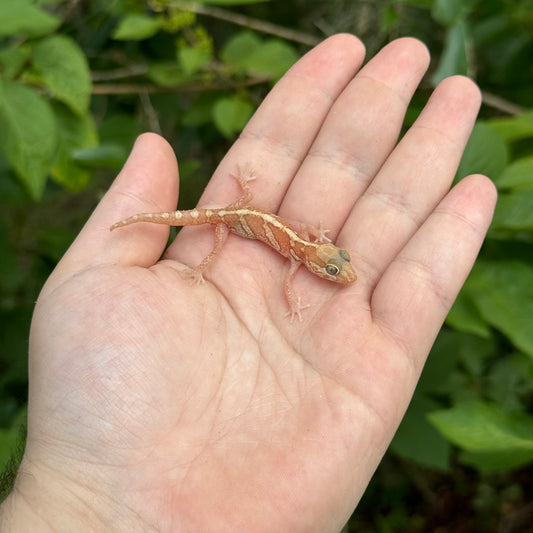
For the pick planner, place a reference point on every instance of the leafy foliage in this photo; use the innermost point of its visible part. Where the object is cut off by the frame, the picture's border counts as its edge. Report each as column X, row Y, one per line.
column 79, row 81
column 494, row 438
column 496, row 305
column 29, row 134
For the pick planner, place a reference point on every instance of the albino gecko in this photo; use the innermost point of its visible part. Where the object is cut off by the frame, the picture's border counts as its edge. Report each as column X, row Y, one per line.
column 319, row 256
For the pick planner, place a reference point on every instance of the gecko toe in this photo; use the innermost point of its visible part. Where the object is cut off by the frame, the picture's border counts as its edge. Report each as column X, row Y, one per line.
column 193, row 276
column 295, row 310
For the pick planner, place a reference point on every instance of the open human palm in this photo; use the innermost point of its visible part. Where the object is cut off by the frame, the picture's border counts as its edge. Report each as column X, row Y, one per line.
column 156, row 405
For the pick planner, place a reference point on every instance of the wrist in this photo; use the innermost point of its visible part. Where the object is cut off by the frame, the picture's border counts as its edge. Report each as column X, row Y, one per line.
column 41, row 501
column 18, row 516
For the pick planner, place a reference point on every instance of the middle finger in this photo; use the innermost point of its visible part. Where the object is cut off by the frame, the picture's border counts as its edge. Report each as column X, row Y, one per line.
column 357, row 136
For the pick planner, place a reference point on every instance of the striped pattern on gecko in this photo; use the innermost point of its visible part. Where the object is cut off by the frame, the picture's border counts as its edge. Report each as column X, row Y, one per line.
column 319, row 255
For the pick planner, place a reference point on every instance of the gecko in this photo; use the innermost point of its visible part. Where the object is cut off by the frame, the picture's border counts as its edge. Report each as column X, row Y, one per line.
column 319, row 255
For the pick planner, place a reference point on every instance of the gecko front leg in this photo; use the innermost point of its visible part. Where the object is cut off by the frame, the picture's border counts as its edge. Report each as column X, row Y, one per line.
column 312, row 233
column 295, row 303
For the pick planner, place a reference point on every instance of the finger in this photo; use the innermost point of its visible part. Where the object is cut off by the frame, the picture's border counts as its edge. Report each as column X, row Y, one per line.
column 147, row 182
column 358, row 134
column 417, row 290
column 278, row 136
column 414, row 178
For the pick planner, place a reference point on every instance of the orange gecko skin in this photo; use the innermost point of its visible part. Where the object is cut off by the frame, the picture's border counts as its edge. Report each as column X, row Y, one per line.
column 322, row 258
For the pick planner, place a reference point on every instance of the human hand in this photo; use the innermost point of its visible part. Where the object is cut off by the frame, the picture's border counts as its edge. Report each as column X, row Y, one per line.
column 160, row 406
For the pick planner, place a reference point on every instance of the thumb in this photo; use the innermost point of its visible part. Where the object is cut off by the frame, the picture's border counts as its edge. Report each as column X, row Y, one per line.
column 147, row 182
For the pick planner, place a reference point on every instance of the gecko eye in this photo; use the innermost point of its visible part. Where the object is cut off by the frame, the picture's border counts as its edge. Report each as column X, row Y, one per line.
column 332, row 270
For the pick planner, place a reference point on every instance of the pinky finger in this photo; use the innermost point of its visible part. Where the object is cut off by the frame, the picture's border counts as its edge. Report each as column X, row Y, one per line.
column 419, row 287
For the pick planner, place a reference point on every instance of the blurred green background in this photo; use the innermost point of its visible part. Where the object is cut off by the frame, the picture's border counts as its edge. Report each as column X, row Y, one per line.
column 80, row 79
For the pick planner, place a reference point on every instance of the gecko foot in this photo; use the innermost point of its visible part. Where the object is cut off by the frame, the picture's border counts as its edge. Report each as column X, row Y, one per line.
column 193, row 276
column 321, row 234
column 311, row 232
column 296, row 309
column 244, row 174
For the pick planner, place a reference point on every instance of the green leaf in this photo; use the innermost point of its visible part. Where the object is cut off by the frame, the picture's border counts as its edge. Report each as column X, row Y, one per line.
column 465, row 316
column 237, row 50
column 486, row 153
column 503, row 292
column 246, row 52
column 417, row 440
column 110, row 155
column 514, row 211
column 22, row 16
column 518, row 175
column 12, row 60
column 193, row 58
column 136, row 27
column 500, row 439
column 28, row 134
column 514, row 128
column 75, row 133
column 497, row 461
column 63, row 69
column 168, row 74
column 273, row 58
column 448, row 12
column 231, row 115
column 453, row 59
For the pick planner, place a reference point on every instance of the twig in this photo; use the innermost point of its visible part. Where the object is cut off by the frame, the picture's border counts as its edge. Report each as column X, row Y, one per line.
column 248, row 22
column 497, row 102
column 136, row 88
column 130, row 88
column 118, row 73
column 150, row 112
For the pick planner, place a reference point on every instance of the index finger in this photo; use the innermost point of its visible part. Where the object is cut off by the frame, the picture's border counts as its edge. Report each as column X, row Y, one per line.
column 278, row 136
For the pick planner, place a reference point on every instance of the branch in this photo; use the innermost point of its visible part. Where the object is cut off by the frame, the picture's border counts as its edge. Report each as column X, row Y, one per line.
column 248, row 22
column 497, row 102
column 136, row 88
column 118, row 73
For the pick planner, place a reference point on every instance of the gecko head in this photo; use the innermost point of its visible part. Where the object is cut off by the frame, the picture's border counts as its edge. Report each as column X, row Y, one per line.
column 334, row 264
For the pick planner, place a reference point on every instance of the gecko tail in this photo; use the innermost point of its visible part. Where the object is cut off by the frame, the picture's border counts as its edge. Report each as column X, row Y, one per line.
column 156, row 218
column 191, row 217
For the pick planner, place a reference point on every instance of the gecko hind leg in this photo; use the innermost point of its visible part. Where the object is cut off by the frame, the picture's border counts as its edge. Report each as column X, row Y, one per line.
column 244, row 175
column 196, row 274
